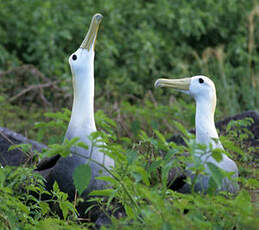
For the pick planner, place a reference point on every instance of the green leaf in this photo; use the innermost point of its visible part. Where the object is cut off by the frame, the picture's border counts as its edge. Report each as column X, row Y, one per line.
column 252, row 183
column 129, row 211
column 82, row 145
column 82, row 177
column 107, row 179
column 243, row 200
column 154, row 165
column 104, row 192
column 216, row 174
column 23, row 147
column 181, row 128
column 55, row 187
column 143, row 174
column 2, row 177
column 131, row 156
column 65, row 206
column 44, row 207
column 160, row 136
column 217, row 154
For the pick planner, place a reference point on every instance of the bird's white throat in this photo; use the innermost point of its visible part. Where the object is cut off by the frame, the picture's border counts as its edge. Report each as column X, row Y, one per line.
column 204, row 121
column 82, row 118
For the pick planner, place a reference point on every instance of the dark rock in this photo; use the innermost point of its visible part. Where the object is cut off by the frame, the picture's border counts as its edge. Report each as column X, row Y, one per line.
column 253, row 128
column 15, row 157
column 104, row 219
column 47, row 163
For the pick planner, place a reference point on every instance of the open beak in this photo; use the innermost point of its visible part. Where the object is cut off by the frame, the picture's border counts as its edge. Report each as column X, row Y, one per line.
column 181, row 84
column 91, row 35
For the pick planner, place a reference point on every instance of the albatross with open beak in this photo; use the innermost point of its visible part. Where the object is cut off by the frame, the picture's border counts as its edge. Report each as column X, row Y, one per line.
column 82, row 122
column 204, row 92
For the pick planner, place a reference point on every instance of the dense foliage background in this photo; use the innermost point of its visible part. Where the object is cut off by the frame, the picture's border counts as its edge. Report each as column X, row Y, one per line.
column 138, row 42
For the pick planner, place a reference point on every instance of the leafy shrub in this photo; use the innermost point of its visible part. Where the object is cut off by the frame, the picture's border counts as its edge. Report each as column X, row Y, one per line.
column 23, row 204
column 140, row 184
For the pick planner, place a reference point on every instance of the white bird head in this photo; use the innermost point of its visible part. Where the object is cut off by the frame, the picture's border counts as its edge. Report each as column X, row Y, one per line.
column 82, row 68
column 81, row 61
column 200, row 87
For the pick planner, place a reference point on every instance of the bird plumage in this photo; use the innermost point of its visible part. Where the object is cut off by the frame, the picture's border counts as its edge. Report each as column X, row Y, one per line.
column 204, row 92
column 82, row 123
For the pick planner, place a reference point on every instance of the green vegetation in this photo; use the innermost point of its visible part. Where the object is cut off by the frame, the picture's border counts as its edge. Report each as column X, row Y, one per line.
column 138, row 42
column 139, row 183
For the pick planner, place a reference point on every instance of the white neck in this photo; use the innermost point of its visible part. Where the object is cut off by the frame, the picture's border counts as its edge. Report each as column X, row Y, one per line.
column 204, row 121
column 206, row 131
column 82, row 121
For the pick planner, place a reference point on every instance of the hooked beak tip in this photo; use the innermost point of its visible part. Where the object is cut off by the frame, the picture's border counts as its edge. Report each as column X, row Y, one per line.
column 90, row 38
column 98, row 17
column 157, row 84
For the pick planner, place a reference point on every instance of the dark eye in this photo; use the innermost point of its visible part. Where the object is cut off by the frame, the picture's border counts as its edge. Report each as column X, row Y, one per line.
column 201, row 80
column 74, row 57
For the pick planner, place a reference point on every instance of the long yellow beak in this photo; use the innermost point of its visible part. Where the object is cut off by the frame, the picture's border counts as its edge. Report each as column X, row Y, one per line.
column 183, row 83
column 91, row 35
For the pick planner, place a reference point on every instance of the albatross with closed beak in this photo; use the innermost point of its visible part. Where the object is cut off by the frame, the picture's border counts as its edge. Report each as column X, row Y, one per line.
column 82, row 122
column 204, row 92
